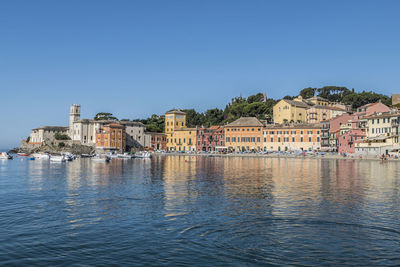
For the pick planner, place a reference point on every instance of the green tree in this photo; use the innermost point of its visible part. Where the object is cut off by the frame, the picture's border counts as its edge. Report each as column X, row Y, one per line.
column 61, row 136
column 308, row 92
column 104, row 116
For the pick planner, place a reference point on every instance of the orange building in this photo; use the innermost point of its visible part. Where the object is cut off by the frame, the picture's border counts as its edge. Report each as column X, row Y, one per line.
column 244, row 134
column 293, row 137
column 111, row 137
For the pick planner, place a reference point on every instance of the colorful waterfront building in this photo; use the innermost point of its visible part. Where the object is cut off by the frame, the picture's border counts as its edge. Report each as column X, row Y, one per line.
column 179, row 137
column 244, row 134
column 292, row 137
column 348, row 140
column 210, row 139
column 382, row 134
column 289, row 111
column 158, row 141
column 111, row 138
column 319, row 113
column 334, row 129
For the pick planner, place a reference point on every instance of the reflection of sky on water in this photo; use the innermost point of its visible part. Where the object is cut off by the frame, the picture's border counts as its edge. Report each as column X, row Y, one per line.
column 181, row 208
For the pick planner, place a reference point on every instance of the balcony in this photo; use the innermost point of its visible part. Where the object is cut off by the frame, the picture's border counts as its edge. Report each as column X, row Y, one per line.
column 395, row 123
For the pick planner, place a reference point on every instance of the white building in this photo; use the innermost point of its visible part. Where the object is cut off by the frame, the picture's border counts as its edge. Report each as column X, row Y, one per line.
column 83, row 131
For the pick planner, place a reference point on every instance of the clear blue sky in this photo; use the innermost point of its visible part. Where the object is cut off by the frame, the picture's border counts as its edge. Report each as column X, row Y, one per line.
column 136, row 58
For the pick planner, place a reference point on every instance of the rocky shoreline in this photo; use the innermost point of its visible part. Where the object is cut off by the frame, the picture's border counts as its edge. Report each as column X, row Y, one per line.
column 75, row 149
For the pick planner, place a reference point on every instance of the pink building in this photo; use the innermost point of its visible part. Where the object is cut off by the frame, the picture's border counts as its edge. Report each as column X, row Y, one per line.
column 210, row 139
column 346, row 141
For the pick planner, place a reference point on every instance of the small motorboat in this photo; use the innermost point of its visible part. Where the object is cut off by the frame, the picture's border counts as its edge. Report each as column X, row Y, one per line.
column 5, row 155
column 58, row 159
column 23, row 154
column 31, row 158
column 143, row 155
column 124, row 156
column 41, row 156
column 86, row 156
column 98, row 158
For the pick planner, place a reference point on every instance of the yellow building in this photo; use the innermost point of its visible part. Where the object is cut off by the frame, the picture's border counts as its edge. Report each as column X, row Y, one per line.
column 290, row 110
column 317, row 100
column 179, row 137
column 319, row 113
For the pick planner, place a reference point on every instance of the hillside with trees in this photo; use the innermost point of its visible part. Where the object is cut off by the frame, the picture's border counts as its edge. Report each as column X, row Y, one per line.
column 255, row 106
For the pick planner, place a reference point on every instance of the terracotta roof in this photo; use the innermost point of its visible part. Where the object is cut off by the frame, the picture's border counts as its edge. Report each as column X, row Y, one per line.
column 175, row 111
column 245, row 121
column 214, row 127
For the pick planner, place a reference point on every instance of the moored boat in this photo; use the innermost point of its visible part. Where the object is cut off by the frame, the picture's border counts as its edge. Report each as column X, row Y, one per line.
column 23, row 154
column 5, row 155
column 41, row 156
column 98, row 158
column 143, row 155
column 58, row 159
column 124, row 156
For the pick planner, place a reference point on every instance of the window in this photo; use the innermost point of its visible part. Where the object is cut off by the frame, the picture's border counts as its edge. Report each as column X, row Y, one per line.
column 265, row 139
column 233, row 139
column 317, row 139
column 309, row 139
column 279, row 139
column 301, row 132
column 292, row 139
column 228, row 139
column 372, row 121
column 252, row 129
column 258, row 139
column 301, row 139
column 272, row 139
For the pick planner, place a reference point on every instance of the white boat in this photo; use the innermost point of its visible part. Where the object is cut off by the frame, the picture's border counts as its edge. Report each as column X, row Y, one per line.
column 4, row 155
column 101, row 159
column 143, row 155
column 41, row 156
column 124, row 156
column 58, row 159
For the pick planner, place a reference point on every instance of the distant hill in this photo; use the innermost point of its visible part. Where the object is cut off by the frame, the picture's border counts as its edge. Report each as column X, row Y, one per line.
column 257, row 106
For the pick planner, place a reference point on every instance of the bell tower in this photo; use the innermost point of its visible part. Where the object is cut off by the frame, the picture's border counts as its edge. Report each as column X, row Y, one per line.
column 74, row 114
